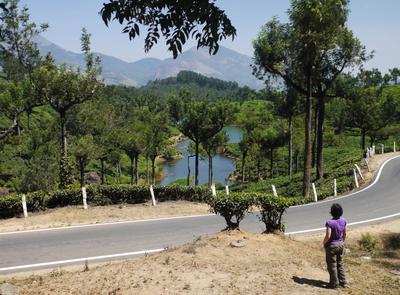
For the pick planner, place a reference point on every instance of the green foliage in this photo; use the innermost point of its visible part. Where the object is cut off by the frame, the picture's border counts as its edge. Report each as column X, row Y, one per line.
column 232, row 207
column 66, row 172
column 367, row 242
column 272, row 209
column 200, row 19
column 11, row 205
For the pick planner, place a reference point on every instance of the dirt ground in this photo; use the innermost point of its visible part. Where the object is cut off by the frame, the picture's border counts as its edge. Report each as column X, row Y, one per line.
column 73, row 215
column 265, row 264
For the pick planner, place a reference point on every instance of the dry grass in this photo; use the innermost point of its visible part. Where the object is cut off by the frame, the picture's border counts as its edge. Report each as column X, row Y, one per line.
column 73, row 215
column 267, row 264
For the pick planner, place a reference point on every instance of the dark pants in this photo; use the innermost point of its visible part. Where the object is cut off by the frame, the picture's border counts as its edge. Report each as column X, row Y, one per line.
column 335, row 265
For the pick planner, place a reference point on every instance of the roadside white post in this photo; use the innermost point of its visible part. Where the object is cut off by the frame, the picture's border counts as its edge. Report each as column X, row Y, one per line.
column 366, row 163
column 373, row 150
column 213, row 190
column 394, row 146
column 334, row 188
column 227, row 189
column 84, row 197
column 359, row 171
column 314, row 192
column 383, row 148
column 274, row 190
column 153, row 198
column 24, row 208
column 355, row 178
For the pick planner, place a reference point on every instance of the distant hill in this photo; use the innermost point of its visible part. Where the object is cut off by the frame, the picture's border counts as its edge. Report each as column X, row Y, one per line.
column 227, row 65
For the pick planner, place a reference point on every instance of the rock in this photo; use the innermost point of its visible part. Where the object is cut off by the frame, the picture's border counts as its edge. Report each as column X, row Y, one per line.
column 8, row 289
column 92, row 178
column 365, row 257
column 238, row 243
column 4, row 191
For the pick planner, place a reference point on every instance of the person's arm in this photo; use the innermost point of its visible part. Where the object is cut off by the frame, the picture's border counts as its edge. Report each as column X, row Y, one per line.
column 344, row 234
column 327, row 236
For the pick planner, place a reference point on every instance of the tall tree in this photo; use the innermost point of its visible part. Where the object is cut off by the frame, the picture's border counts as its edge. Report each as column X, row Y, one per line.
column 62, row 88
column 19, row 56
column 199, row 120
column 84, row 150
column 299, row 52
column 395, row 73
column 211, row 146
column 175, row 20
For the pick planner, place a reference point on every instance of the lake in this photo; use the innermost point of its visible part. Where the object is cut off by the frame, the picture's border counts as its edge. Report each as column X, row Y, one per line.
column 222, row 166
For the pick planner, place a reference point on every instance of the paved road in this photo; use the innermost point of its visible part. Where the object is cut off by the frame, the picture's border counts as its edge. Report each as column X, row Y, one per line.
column 50, row 248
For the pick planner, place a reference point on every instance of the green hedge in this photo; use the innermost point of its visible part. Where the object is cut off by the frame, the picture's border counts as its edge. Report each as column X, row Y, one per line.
column 11, row 205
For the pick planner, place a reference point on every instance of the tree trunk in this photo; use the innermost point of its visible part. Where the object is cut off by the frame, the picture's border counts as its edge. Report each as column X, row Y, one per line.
column 147, row 170
column 82, row 172
column 271, row 165
column 102, row 170
column 307, row 141
column 258, row 169
column 209, row 170
column 315, row 141
column 244, row 154
column 363, row 138
column 153, row 170
column 132, row 168
column 136, row 170
column 290, row 147
column 196, row 165
column 320, row 137
column 297, row 162
column 63, row 122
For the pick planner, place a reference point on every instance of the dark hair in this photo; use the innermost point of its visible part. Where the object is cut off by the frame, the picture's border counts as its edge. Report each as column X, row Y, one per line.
column 336, row 210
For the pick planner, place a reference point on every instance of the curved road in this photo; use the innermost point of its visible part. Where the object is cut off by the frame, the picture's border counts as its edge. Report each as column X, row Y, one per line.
column 21, row 251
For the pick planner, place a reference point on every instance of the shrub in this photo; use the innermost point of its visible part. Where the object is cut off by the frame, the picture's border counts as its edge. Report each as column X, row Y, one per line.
column 101, row 195
column 272, row 209
column 232, row 207
column 367, row 242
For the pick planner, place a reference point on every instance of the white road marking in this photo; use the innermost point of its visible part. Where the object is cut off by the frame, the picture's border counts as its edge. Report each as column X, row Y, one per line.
column 60, row 262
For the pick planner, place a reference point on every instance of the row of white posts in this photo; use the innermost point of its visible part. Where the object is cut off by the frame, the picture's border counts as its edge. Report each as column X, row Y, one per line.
column 356, row 171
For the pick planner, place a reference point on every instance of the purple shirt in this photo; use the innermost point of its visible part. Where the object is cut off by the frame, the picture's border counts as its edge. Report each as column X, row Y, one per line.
column 337, row 227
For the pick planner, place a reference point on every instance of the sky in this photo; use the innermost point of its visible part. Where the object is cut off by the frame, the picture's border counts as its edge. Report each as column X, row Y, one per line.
column 375, row 23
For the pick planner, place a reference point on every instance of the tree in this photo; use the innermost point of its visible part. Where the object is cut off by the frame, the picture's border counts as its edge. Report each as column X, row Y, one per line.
column 211, row 146
column 63, row 87
column 19, row 56
column 365, row 111
column 175, row 20
column 251, row 115
column 395, row 73
column 130, row 142
column 199, row 120
column 302, row 54
column 84, row 150
column 154, row 133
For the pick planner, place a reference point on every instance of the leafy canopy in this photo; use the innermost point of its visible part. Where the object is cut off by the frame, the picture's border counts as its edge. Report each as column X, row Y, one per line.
column 175, row 20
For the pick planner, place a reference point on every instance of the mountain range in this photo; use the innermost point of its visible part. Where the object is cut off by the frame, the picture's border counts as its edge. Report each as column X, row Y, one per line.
column 227, row 65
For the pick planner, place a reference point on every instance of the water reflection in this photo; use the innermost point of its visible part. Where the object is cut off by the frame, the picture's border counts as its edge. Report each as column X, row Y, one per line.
column 222, row 166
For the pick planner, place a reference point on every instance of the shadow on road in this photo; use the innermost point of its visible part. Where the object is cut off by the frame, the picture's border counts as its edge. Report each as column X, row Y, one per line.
column 311, row 282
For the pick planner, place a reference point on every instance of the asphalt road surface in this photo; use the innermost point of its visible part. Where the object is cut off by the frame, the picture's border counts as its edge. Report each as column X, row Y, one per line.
column 73, row 245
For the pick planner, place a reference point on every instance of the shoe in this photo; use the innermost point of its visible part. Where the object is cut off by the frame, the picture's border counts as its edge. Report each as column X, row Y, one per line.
column 344, row 286
column 332, row 286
